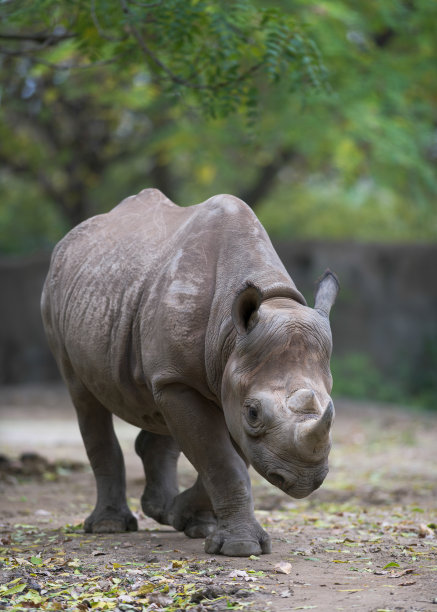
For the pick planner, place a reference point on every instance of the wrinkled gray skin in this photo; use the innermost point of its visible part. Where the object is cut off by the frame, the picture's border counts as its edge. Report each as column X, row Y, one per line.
column 184, row 323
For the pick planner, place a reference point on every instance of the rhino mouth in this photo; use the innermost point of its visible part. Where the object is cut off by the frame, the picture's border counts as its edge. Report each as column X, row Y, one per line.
column 291, row 485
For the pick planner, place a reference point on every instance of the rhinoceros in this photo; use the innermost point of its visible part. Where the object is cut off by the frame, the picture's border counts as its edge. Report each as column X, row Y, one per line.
column 184, row 322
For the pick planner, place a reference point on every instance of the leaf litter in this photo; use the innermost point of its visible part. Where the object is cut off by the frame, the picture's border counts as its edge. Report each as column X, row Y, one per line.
column 349, row 542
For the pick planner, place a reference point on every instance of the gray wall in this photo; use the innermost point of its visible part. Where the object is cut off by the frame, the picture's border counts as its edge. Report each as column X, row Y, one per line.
column 24, row 354
column 387, row 306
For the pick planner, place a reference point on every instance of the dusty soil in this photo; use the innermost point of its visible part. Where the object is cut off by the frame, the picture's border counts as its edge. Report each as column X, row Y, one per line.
column 366, row 540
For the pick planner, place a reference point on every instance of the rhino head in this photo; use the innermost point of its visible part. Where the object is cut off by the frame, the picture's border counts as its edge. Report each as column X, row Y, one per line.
column 277, row 383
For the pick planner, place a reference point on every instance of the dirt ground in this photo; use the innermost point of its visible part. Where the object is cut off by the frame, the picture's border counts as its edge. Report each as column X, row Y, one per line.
column 366, row 541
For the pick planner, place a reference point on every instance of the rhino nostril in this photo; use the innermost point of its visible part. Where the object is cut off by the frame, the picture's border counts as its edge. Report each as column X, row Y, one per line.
column 277, row 480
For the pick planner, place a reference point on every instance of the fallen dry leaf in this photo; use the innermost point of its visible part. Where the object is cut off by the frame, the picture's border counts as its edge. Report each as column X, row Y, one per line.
column 241, row 574
column 424, row 531
column 283, row 567
column 160, row 600
column 403, row 573
column 237, row 574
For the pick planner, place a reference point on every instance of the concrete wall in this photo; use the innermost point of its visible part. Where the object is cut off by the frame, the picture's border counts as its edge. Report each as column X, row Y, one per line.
column 387, row 306
column 24, row 354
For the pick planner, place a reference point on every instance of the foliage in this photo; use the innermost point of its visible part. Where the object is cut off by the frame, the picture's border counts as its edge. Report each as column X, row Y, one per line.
column 361, row 162
column 369, row 530
column 196, row 51
column 356, row 376
column 422, row 381
column 106, row 84
column 114, row 96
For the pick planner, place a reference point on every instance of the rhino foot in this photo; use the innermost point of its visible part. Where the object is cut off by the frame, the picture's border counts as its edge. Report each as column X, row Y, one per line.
column 191, row 512
column 110, row 521
column 238, row 542
column 156, row 504
column 196, row 524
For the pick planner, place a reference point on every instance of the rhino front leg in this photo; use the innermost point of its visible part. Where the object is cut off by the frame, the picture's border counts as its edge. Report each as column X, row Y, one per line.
column 200, row 429
column 159, row 455
column 111, row 513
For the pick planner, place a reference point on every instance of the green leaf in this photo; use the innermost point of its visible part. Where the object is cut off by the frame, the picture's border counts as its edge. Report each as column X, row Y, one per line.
column 17, row 588
column 36, row 560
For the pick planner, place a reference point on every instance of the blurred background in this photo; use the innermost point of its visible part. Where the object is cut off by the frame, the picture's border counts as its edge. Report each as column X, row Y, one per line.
column 322, row 116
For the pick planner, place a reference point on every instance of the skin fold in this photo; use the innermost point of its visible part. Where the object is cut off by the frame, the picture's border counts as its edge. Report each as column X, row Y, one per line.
column 185, row 323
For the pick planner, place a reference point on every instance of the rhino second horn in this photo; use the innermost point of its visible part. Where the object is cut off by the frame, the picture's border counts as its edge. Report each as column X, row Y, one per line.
column 304, row 401
column 314, row 435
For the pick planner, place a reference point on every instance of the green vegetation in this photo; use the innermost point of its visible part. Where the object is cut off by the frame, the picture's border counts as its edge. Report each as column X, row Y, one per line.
column 320, row 115
column 356, row 376
column 103, row 100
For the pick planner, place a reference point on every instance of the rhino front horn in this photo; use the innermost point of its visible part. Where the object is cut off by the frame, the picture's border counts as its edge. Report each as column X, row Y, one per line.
column 313, row 436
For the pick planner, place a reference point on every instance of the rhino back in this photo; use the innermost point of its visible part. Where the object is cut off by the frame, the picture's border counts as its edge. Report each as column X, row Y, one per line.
column 140, row 297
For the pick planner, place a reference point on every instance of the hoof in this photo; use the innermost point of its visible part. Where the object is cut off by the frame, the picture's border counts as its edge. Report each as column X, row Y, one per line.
column 201, row 525
column 244, row 548
column 156, row 504
column 224, row 542
column 117, row 524
column 194, row 524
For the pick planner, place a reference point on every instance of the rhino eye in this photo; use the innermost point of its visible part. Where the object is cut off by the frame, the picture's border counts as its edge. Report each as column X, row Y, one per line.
column 253, row 411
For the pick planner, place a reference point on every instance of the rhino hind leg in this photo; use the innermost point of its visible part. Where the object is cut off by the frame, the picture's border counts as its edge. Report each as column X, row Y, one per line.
column 159, row 455
column 111, row 513
column 192, row 512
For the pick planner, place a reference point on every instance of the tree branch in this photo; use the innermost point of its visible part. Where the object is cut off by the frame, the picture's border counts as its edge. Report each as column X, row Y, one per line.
column 30, row 55
column 99, row 27
column 174, row 77
column 39, row 37
column 146, row 4
column 266, row 178
column 383, row 38
column 19, row 167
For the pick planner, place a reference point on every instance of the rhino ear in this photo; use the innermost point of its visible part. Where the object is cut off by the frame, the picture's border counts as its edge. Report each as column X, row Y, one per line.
column 245, row 309
column 327, row 289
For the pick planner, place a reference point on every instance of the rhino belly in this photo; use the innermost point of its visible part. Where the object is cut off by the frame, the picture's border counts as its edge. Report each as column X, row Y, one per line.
column 134, row 404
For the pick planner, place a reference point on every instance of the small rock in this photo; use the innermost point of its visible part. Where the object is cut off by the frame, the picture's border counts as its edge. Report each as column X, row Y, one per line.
column 42, row 512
